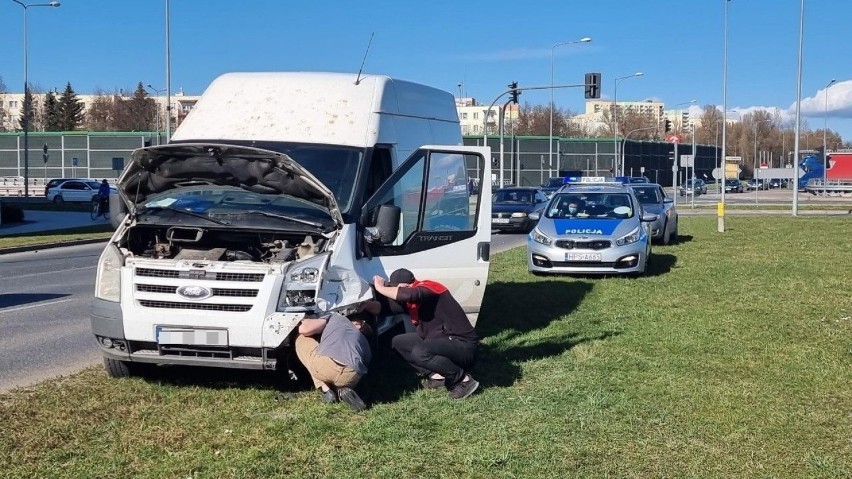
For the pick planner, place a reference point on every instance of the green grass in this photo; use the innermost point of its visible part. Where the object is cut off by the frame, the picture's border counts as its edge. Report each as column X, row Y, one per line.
column 732, row 358
column 100, row 230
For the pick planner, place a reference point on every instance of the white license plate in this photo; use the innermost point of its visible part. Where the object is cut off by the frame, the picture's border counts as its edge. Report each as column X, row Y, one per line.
column 500, row 221
column 199, row 337
column 582, row 256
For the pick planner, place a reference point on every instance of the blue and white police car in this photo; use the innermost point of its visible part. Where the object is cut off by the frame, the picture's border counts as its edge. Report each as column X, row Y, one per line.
column 593, row 227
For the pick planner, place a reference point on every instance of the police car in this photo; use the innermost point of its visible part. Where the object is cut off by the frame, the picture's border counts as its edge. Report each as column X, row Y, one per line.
column 596, row 226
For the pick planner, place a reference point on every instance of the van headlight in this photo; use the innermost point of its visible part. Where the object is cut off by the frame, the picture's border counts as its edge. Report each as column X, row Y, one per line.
column 629, row 238
column 108, row 279
column 540, row 237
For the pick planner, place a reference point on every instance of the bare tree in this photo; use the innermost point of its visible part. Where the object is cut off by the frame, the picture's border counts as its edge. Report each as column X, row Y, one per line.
column 535, row 120
column 100, row 115
column 3, row 92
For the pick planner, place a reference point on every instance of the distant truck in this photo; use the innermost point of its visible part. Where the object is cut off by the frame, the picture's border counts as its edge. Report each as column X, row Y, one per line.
column 838, row 176
column 279, row 196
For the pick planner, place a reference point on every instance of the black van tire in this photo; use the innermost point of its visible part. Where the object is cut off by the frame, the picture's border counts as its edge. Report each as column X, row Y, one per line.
column 118, row 369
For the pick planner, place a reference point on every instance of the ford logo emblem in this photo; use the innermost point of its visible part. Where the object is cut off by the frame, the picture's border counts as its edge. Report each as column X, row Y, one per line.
column 194, row 292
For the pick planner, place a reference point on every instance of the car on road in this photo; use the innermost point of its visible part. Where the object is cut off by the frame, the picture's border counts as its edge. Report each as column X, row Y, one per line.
column 552, row 185
column 653, row 200
column 756, row 184
column 778, row 183
column 512, row 208
column 733, row 185
column 58, row 181
column 75, row 191
column 697, row 188
column 591, row 229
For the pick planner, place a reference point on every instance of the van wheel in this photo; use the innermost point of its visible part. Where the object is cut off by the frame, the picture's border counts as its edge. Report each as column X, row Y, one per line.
column 58, row 199
column 119, row 369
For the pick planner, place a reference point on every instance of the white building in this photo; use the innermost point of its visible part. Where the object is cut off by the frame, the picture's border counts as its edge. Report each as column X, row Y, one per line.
column 472, row 116
column 595, row 109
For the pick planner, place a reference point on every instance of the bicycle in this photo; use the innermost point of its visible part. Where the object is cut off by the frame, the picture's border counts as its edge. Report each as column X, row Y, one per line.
column 96, row 210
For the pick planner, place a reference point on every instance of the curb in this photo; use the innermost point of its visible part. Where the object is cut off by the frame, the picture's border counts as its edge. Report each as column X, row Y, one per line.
column 37, row 247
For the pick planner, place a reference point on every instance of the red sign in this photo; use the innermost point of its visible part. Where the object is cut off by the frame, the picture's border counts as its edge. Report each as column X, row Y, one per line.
column 673, row 138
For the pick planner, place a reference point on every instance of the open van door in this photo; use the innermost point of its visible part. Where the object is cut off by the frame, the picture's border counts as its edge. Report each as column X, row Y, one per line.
column 426, row 218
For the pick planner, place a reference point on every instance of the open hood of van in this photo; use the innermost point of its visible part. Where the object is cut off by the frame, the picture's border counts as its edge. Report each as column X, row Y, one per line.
column 161, row 168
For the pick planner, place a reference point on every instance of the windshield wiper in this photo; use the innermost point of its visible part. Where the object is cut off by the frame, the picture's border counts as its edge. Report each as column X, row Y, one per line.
column 188, row 213
column 280, row 217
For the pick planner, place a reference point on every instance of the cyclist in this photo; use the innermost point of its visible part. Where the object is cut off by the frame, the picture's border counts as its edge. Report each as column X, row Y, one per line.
column 103, row 198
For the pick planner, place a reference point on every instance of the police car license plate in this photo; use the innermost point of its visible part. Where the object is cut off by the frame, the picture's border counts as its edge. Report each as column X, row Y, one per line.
column 199, row 337
column 500, row 221
column 582, row 256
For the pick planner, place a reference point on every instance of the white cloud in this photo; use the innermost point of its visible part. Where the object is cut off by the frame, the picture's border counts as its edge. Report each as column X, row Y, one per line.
column 839, row 102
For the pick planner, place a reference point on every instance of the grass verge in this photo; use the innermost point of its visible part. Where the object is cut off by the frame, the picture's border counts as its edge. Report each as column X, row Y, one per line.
column 731, row 358
column 103, row 230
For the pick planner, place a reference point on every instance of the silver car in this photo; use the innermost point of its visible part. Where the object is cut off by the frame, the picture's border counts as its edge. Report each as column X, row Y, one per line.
column 591, row 228
column 654, row 201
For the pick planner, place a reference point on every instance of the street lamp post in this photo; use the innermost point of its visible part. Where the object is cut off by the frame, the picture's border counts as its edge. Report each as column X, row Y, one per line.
column 720, row 209
column 157, row 92
column 824, row 143
column 798, row 112
column 615, row 118
column 550, row 138
column 168, row 76
column 24, row 105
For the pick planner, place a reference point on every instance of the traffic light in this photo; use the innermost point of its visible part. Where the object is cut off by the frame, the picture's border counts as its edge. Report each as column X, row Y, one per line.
column 593, row 86
column 513, row 95
column 668, row 125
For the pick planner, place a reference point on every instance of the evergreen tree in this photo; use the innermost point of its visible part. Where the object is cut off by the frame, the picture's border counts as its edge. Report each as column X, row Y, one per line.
column 141, row 110
column 29, row 108
column 50, row 113
column 70, row 109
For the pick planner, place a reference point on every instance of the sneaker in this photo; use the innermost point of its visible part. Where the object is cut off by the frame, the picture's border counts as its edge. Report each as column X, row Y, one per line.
column 351, row 398
column 464, row 389
column 430, row 383
column 329, row 397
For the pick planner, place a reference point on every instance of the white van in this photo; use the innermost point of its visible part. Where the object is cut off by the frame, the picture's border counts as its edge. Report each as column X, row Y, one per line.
column 282, row 194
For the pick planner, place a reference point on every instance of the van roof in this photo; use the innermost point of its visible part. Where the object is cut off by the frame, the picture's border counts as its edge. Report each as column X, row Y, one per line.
column 308, row 107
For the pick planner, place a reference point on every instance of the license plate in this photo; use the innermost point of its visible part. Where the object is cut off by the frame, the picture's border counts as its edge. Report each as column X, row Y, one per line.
column 582, row 256
column 501, row 221
column 199, row 337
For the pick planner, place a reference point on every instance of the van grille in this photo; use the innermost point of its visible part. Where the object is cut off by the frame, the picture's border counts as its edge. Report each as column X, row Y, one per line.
column 200, row 274
column 232, row 292
column 232, row 308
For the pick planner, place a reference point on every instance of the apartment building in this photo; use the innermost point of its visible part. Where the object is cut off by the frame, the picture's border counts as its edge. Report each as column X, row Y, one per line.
column 472, row 116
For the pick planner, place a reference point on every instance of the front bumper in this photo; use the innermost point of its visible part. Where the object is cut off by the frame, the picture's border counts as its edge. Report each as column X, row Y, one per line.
column 514, row 224
column 614, row 260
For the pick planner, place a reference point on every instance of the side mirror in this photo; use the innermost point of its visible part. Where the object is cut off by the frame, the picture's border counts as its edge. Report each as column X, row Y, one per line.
column 647, row 217
column 668, row 200
column 535, row 216
column 117, row 210
column 387, row 223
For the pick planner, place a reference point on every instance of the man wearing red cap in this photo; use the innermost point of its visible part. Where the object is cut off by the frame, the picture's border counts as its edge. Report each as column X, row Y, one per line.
column 445, row 345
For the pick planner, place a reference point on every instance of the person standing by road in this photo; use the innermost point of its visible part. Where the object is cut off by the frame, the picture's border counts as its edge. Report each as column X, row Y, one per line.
column 103, row 197
column 444, row 347
column 335, row 351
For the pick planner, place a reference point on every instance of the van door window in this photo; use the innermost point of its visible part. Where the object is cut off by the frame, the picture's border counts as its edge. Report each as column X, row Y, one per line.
column 406, row 193
column 449, row 206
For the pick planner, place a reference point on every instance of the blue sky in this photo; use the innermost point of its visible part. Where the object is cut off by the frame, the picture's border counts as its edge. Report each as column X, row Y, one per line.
column 113, row 44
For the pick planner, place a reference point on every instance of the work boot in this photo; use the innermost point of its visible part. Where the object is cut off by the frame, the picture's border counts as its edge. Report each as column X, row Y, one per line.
column 351, row 398
column 463, row 388
column 328, row 397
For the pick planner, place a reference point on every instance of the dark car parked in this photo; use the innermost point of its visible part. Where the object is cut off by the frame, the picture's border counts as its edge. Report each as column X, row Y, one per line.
column 511, row 208
column 552, row 185
column 733, row 186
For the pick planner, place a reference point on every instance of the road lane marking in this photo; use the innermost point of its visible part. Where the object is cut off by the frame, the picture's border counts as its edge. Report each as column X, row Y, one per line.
column 47, row 272
column 36, row 305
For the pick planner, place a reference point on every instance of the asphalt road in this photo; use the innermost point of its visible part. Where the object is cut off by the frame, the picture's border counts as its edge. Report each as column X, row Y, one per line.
column 44, row 313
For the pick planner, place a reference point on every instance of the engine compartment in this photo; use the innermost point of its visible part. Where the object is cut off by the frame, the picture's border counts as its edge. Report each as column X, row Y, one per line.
column 195, row 243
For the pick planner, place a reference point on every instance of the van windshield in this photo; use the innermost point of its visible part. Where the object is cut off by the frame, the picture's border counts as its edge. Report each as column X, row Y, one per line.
column 334, row 165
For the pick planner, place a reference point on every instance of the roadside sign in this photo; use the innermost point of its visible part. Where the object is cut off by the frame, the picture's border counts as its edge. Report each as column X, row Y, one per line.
column 687, row 161
column 673, row 139
column 74, row 161
column 716, row 173
column 738, row 159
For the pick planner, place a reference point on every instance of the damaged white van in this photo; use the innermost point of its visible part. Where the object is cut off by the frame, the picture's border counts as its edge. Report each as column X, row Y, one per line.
column 282, row 194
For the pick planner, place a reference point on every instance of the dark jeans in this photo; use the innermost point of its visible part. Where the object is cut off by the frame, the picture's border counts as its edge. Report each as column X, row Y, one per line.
column 447, row 356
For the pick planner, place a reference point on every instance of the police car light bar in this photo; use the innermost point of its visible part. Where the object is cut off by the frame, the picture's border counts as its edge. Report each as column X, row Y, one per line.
column 594, row 181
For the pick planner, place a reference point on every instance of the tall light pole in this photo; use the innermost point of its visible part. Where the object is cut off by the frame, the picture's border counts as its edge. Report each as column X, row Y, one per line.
column 798, row 113
column 168, row 77
column 720, row 209
column 157, row 92
column 615, row 117
column 550, row 140
column 824, row 143
column 26, row 106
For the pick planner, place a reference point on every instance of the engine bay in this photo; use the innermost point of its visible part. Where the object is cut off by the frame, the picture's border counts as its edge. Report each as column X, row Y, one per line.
column 194, row 243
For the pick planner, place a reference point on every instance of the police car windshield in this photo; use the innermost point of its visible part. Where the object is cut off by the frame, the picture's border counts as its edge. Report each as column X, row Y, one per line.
column 591, row 205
